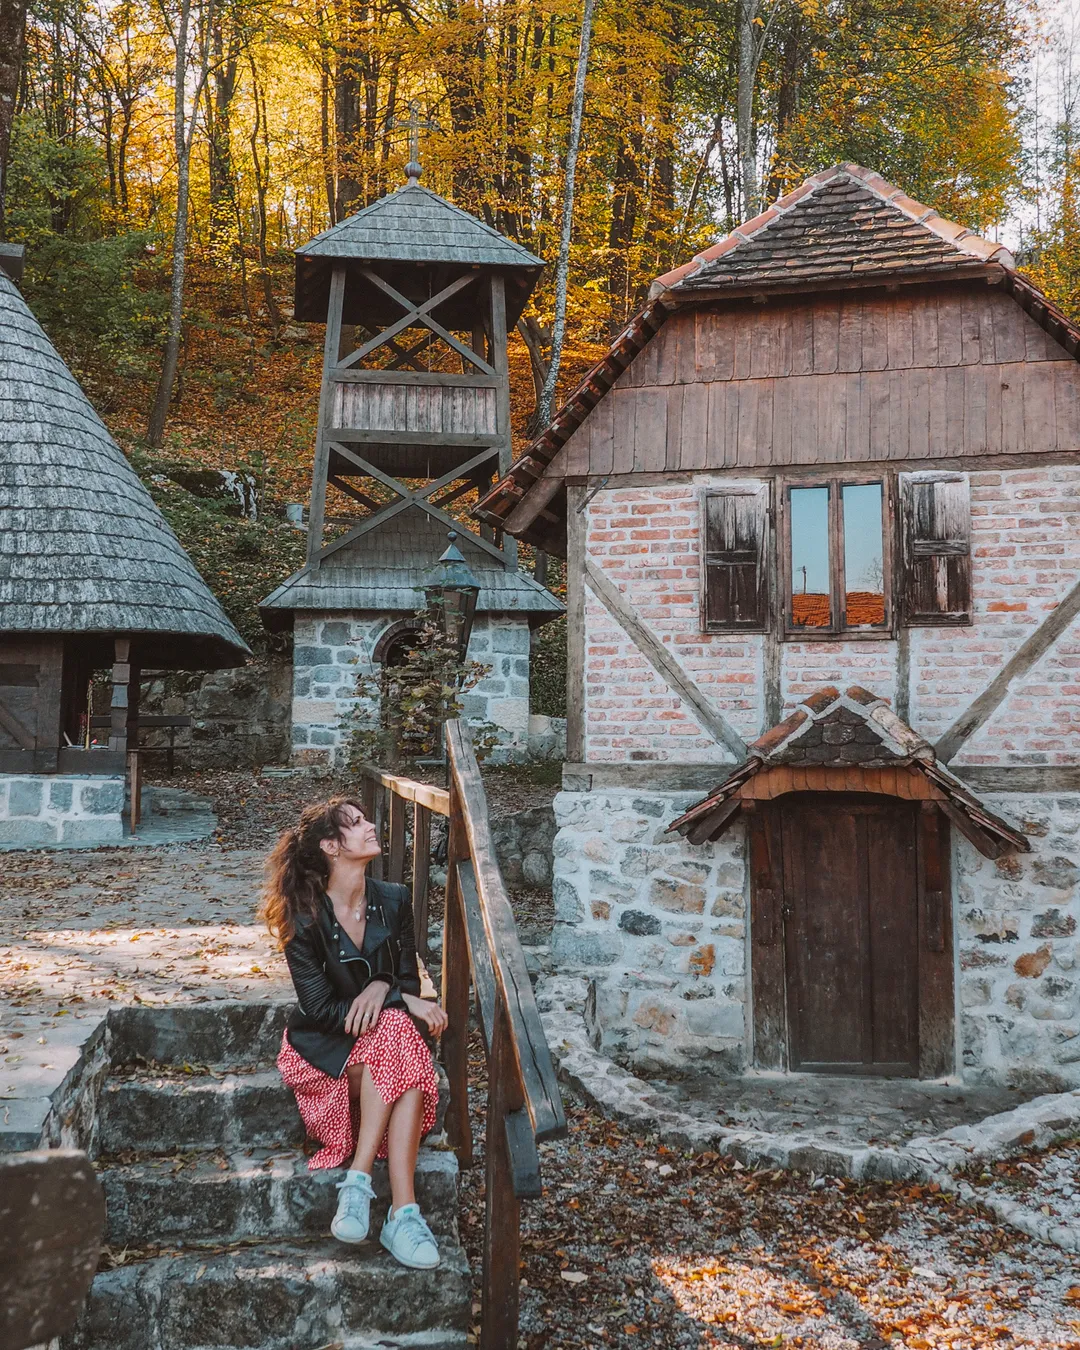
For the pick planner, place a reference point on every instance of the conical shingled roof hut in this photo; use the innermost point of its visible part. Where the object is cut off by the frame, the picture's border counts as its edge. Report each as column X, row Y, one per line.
column 83, row 547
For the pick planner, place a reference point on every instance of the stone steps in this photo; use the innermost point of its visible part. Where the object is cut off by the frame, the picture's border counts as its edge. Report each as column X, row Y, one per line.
column 279, row 1296
column 160, row 1113
column 198, row 1145
column 259, row 1193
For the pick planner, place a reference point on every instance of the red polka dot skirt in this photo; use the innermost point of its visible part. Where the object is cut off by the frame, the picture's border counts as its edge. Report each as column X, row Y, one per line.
column 398, row 1059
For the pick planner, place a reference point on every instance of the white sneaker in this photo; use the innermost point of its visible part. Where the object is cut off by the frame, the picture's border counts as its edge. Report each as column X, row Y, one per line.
column 353, row 1217
column 409, row 1240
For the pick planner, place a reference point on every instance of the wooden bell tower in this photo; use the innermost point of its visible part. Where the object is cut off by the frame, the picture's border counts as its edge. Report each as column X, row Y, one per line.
column 417, row 297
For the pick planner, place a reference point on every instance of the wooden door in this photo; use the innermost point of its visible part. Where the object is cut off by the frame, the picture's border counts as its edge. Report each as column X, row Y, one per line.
column 851, row 933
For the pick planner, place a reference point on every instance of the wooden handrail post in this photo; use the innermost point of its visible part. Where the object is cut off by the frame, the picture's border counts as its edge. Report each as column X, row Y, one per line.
column 455, row 990
column 377, row 867
column 502, row 1225
column 367, row 795
column 395, row 869
column 420, row 865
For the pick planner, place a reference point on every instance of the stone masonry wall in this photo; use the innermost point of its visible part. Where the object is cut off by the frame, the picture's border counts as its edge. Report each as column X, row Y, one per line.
column 1025, row 557
column 659, row 923
column 329, row 650
column 1018, row 948
column 660, row 926
column 52, row 809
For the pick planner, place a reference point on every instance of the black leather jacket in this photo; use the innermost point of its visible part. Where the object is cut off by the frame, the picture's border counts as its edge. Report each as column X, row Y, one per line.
column 328, row 972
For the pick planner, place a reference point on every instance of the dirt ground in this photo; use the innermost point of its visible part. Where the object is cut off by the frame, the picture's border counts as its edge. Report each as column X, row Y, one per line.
column 632, row 1245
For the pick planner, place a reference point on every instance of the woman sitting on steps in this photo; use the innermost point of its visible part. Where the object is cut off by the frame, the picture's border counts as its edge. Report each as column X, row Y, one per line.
column 362, row 1073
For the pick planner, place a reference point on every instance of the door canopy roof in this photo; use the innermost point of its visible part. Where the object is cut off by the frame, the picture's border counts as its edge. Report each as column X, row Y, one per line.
column 848, row 742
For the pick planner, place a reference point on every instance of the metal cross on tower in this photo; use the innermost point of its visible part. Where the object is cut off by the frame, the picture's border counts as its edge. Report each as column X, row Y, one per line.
column 415, row 125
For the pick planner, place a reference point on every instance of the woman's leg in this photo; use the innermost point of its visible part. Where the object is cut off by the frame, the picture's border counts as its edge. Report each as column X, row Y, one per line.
column 403, row 1146
column 374, row 1116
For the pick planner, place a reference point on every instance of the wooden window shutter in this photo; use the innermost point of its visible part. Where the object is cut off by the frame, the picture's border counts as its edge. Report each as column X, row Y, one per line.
column 736, row 575
column 935, row 522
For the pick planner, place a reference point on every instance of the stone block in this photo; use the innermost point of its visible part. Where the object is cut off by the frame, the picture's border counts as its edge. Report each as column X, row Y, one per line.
column 335, row 633
column 653, row 1015
column 575, row 947
column 311, row 711
column 60, row 794
column 536, row 868
column 1030, row 965
column 729, row 904
column 596, row 850
column 331, row 676
column 1059, row 873
column 604, row 885
column 638, row 923
column 25, row 797
column 1052, row 924
column 511, row 638
column 705, row 1018
column 312, row 656
column 974, row 992
column 681, row 896
column 102, row 799
column 102, row 830
column 642, row 862
column 30, row 833
column 703, row 960
column 569, row 906
column 322, row 736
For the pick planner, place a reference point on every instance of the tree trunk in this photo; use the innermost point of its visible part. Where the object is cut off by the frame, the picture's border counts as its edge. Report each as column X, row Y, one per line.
column 747, row 150
column 12, row 46
column 562, row 267
column 346, row 109
column 182, row 143
column 223, row 215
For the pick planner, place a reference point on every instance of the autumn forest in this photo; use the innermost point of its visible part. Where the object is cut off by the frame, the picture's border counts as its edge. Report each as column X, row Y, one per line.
column 163, row 158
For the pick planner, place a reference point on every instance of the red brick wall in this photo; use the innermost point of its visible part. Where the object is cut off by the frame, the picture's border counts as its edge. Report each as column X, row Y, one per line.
column 1026, row 555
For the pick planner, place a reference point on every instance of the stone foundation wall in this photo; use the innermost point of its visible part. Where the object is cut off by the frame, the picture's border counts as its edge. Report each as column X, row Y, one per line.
column 1018, row 946
column 523, row 843
column 660, row 925
column 50, row 809
column 329, row 650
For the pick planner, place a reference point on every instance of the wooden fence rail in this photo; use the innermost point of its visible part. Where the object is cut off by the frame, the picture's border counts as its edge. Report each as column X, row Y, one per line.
column 481, row 951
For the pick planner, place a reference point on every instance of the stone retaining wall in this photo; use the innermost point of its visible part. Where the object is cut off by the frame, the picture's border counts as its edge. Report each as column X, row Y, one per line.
column 54, row 809
column 523, row 842
column 239, row 717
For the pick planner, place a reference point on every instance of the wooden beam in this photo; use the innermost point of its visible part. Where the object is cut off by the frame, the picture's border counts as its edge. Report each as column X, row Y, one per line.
column 500, row 360
column 410, row 498
column 575, row 624
column 662, row 661
column 417, row 314
column 331, row 343
column 1029, row 652
column 435, row 378
column 15, row 728
column 343, row 485
column 378, row 436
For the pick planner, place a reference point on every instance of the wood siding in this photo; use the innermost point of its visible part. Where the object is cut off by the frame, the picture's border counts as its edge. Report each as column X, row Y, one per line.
column 845, row 380
column 431, row 408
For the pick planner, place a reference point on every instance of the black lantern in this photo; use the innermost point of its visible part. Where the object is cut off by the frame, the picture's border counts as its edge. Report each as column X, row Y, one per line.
column 451, row 590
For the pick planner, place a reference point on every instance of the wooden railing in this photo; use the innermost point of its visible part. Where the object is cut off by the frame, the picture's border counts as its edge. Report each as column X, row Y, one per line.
column 481, row 951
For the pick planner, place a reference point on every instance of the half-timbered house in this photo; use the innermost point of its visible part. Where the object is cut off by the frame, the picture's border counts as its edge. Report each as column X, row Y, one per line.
column 92, row 583
column 820, row 505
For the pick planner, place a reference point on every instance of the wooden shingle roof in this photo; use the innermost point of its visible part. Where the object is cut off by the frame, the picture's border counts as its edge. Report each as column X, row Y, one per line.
column 415, row 224
column 855, row 737
column 83, row 547
column 846, row 226
column 384, row 570
column 846, row 222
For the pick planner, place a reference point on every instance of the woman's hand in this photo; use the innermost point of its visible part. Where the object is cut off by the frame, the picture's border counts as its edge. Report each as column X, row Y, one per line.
column 366, row 1008
column 430, row 1014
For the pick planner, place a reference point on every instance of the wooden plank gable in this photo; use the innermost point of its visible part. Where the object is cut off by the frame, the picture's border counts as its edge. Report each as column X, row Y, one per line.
column 955, row 372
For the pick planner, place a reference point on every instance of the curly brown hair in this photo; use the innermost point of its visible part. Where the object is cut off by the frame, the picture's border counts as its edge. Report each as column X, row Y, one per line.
column 297, row 869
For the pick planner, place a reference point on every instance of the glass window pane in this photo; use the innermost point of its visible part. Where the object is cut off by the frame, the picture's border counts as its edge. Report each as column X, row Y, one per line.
column 810, row 605
column 864, row 555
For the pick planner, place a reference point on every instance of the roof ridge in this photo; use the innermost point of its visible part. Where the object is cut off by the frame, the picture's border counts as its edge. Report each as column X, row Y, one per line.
column 959, row 236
